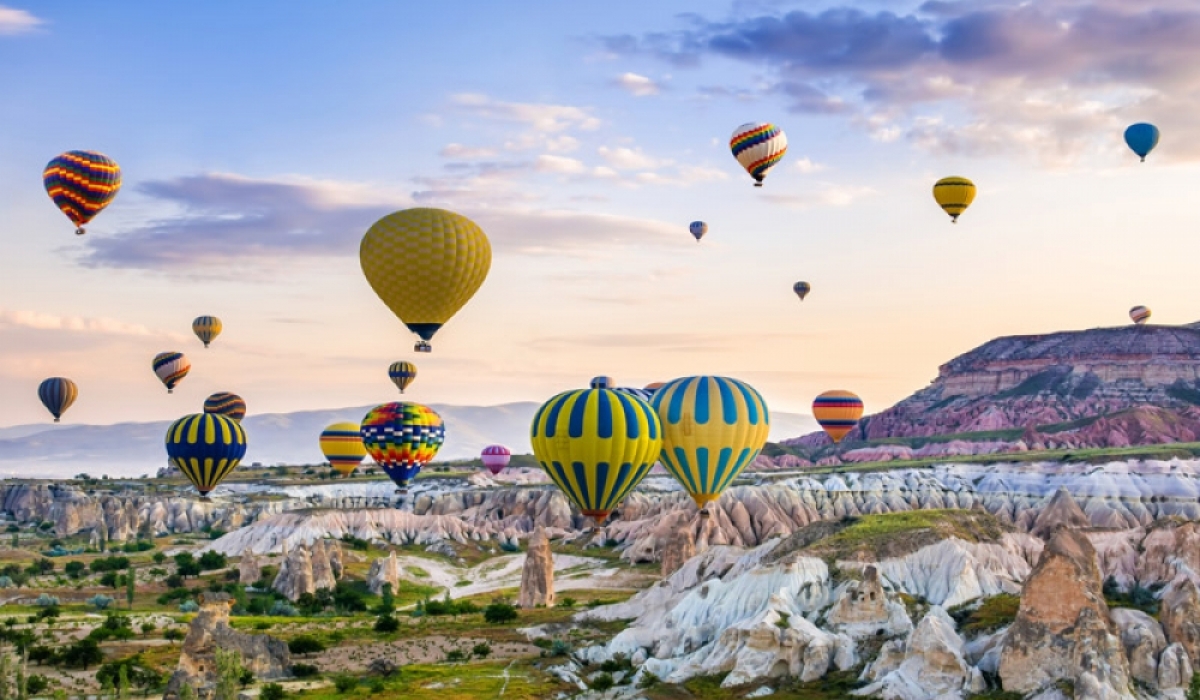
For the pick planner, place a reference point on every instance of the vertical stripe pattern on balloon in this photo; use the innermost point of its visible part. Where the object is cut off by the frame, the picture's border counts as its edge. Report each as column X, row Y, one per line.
column 206, row 447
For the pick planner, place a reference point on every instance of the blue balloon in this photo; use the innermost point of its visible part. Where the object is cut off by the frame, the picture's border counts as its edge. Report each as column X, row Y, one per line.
column 1142, row 138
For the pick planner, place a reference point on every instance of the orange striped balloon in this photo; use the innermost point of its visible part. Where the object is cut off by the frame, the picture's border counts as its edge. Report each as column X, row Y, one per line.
column 838, row 412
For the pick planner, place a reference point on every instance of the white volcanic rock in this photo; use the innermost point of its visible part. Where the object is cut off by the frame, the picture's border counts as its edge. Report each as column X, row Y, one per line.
column 1144, row 641
column 862, row 609
column 537, row 575
column 934, row 665
column 1174, row 668
column 954, row 571
column 384, row 571
column 305, row 569
column 249, row 570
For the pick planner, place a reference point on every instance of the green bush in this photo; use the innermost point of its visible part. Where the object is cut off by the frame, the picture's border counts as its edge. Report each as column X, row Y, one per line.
column 345, row 682
column 481, row 650
column 386, row 624
column 272, row 691
column 499, row 613
column 306, row 644
column 602, row 682
column 304, row 670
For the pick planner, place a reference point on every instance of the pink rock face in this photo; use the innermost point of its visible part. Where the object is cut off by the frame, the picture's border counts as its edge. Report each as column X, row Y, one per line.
column 1140, row 380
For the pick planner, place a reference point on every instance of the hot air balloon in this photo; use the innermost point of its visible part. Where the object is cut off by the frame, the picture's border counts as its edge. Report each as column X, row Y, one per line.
column 1141, row 139
column 1139, row 314
column 206, row 328
column 495, row 458
column 82, row 183
column 425, row 264
column 758, row 147
column 838, row 412
column 170, row 368
column 596, row 445
column 954, row 194
column 402, row 437
column 802, row 289
column 712, row 428
column 643, row 394
column 206, row 447
column 654, row 386
column 57, row 395
column 402, row 374
column 602, row 382
column 342, row 445
column 698, row 229
column 226, row 404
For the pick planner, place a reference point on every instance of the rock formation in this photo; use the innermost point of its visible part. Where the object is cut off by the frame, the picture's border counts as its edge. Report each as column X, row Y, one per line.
column 862, row 609
column 1180, row 614
column 537, row 577
column 385, row 570
column 1143, row 640
column 679, row 547
column 1062, row 630
column 306, row 569
column 249, row 570
column 1062, row 510
column 262, row 654
column 931, row 664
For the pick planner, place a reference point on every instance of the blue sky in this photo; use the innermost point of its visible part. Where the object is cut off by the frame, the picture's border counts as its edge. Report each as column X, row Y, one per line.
column 258, row 142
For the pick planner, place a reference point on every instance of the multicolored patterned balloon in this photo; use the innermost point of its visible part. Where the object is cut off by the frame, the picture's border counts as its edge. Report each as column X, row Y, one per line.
column 206, row 447
column 402, row 437
column 838, row 412
column 207, row 328
column 596, row 445
column 57, row 395
column 226, row 404
column 495, row 458
column 81, row 184
column 712, row 428
column 402, row 374
column 1139, row 314
column 342, row 445
column 758, row 147
column 170, row 367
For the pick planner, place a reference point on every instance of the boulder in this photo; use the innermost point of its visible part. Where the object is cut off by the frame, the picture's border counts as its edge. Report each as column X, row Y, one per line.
column 934, row 665
column 537, row 577
column 1174, row 668
column 1143, row 640
column 385, row 570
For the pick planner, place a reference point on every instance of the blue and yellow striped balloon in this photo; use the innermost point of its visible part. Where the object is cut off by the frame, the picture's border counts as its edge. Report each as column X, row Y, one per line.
column 596, row 445
column 712, row 428
column 402, row 374
column 226, row 404
column 81, row 184
column 207, row 328
column 342, row 445
column 57, row 395
column 206, row 447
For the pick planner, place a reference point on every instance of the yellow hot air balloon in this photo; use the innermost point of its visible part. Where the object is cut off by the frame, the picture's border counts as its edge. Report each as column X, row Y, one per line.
column 596, row 445
column 837, row 412
column 342, row 445
column 712, row 428
column 206, row 328
column 954, row 194
column 402, row 374
column 425, row 264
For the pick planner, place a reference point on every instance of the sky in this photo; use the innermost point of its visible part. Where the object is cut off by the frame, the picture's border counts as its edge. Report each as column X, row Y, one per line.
column 259, row 141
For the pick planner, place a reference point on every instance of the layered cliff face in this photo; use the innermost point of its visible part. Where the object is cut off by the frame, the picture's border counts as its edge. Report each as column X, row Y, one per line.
column 1044, row 380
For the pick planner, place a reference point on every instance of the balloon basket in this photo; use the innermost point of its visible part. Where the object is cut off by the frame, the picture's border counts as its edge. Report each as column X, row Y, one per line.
column 422, row 346
column 80, row 231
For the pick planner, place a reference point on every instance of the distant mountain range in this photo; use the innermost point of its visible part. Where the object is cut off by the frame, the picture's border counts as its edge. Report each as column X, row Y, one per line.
column 1102, row 387
column 131, row 449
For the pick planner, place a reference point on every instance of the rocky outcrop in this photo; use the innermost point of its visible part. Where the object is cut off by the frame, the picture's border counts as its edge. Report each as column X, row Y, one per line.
column 1174, row 668
column 249, row 570
column 1061, row 511
column 1062, row 630
column 931, row 664
column 384, row 571
column 862, row 609
column 265, row 656
column 1180, row 614
column 680, row 546
column 1143, row 640
column 537, row 576
column 306, row 569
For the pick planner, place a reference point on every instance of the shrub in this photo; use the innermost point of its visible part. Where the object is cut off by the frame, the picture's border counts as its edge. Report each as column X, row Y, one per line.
column 211, row 560
column 282, row 609
column 305, row 644
column 46, row 600
column 304, row 670
column 172, row 635
column 560, row 647
column 262, row 625
column 542, row 643
column 345, row 682
column 499, row 613
column 174, row 581
column 647, row 680
column 100, row 601
column 74, row 569
column 602, row 682
column 378, row 686
column 566, row 602
column 386, row 624
column 456, row 656
column 82, row 654
column 189, row 606
column 481, row 650
column 36, row 684
column 272, row 691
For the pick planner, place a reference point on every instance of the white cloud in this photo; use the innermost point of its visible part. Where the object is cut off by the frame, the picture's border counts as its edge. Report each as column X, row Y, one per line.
column 14, row 21
column 623, row 158
column 457, row 150
column 37, row 320
column 545, row 118
column 829, row 196
column 806, row 165
column 637, row 85
column 558, row 164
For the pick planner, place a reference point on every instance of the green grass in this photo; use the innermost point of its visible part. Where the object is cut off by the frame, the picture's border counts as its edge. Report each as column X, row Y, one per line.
column 896, row 534
column 992, row 614
column 834, row 686
column 464, row 681
column 416, row 572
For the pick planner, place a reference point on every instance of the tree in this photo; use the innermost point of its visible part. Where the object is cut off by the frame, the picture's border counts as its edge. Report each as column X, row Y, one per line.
column 246, row 678
column 186, row 693
column 186, row 564
column 270, row 691
column 305, row 645
column 172, row 635
column 84, row 653
column 74, row 569
column 499, row 613
column 386, row 624
column 229, row 674
column 387, row 600
column 159, row 558
column 482, row 650
column 147, row 628
column 130, row 587
column 211, row 560
column 109, row 579
column 123, row 681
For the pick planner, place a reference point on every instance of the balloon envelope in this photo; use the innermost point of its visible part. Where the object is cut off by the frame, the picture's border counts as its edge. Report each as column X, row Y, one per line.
column 57, row 395
column 170, row 368
column 82, row 184
column 801, row 289
column 425, row 264
column 495, row 458
column 402, row 437
column 342, row 445
column 1139, row 314
column 837, row 412
column 602, row 382
column 954, row 195
column 1141, row 139
column 698, row 229
column 206, row 447
column 712, row 428
column 402, row 374
column 206, row 328
column 758, row 146
column 596, row 445
column 226, row 404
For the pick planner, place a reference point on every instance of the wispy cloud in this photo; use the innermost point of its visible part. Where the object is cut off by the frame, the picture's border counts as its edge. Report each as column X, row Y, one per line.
column 545, row 118
column 14, row 21
column 637, row 85
column 40, row 321
column 827, row 196
column 457, row 150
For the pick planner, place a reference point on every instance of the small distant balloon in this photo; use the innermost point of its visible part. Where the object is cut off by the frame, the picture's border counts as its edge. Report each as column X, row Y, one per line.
column 1141, row 139
column 802, row 289
column 495, row 458
column 226, row 404
column 402, row 374
column 837, row 412
column 1139, row 314
column 57, row 395
column 954, row 195
column 758, row 146
column 82, row 184
column 206, row 328
column 170, row 368
column 698, row 229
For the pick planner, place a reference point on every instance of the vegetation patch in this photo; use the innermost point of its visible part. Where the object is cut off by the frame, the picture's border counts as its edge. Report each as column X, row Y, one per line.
column 874, row 537
column 990, row 615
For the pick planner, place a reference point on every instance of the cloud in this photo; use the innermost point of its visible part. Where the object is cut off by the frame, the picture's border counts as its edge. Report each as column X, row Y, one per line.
column 806, row 165
column 1052, row 78
column 40, row 321
column 544, row 118
column 457, row 150
column 637, row 85
column 829, row 196
column 219, row 223
column 559, row 164
column 14, row 21
column 623, row 158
